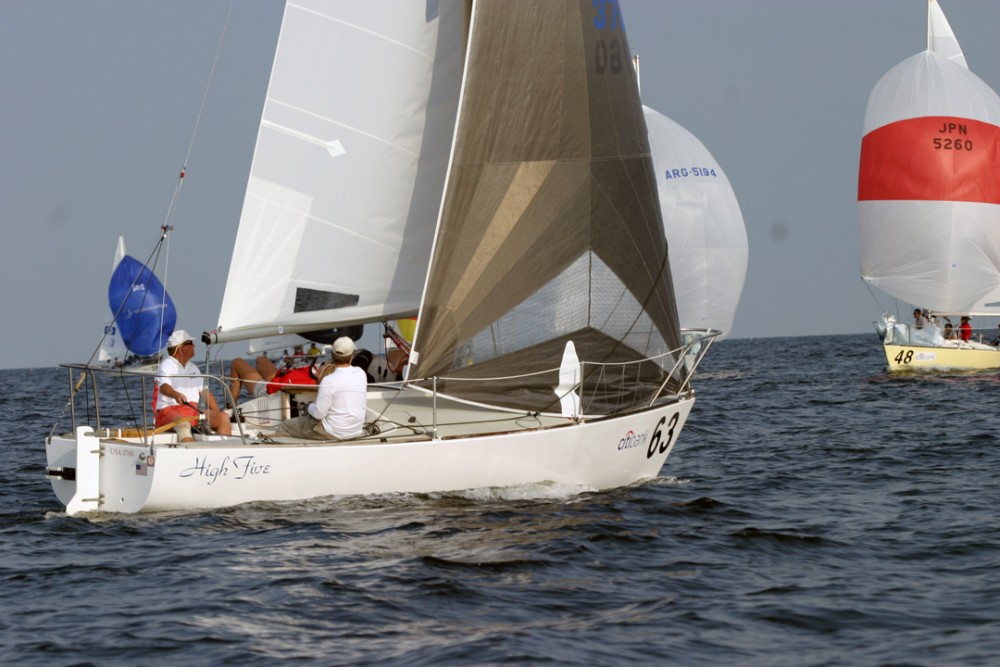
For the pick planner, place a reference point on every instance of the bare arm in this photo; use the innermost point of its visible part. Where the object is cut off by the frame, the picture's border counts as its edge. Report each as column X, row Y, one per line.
column 170, row 392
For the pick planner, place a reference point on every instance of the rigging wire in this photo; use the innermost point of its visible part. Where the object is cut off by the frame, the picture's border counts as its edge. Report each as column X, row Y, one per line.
column 166, row 226
column 878, row 302
column 171, row 209
column 197, row 122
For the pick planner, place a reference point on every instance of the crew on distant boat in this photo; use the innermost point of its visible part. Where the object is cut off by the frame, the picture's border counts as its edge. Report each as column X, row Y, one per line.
column 949, row 332
column 179, row 388
column 965, row 329
column 341, row 404
column 919, row 319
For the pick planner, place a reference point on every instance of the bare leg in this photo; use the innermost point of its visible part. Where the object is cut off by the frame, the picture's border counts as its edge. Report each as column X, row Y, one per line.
column 240, row 373
column 219, row 421
column 266, row 368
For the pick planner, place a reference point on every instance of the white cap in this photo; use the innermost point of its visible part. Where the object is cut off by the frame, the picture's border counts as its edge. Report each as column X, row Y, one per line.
column 177, row 337
column 343, row 347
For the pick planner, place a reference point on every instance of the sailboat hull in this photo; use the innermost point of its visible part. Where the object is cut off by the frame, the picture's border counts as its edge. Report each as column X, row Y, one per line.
column 903, row 358
column 110, row 474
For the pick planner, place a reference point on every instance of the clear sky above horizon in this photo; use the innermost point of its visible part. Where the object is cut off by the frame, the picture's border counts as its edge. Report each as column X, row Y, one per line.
column 101, row 100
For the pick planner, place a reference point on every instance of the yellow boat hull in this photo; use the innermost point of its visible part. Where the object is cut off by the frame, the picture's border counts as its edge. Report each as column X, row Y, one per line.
column 920, row 358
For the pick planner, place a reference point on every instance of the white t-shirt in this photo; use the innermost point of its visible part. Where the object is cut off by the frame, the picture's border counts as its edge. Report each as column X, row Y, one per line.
column 341, row 402
column 186, row 379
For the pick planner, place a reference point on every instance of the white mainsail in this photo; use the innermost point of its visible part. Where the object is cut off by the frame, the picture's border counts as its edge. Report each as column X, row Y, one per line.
column 941, row 38
column 348, row 169
column 929, row 181
column 112, row 346
column 705, row 230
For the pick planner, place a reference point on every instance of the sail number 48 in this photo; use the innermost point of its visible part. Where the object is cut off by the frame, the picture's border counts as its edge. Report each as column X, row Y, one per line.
column 904, row 357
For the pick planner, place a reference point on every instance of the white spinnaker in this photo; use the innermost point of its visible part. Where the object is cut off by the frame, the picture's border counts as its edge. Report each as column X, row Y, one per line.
column 348, row 168
column 940, row 254
column 706, row 235
column 927, row 84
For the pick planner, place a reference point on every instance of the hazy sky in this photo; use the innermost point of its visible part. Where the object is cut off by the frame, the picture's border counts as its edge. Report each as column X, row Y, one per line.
column 100, row 100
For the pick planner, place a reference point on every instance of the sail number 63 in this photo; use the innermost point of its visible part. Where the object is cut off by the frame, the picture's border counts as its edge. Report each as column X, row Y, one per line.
column 657, row 442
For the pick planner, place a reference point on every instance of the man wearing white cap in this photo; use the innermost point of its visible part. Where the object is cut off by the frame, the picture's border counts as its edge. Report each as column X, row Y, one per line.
column 179, row 387
column 341, row 402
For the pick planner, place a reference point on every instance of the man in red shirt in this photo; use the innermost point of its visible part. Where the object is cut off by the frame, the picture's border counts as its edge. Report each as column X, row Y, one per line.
column 965, row 329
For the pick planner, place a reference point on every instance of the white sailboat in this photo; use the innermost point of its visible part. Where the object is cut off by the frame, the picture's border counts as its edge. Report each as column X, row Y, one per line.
column 112, row 350
column 494, row 182
column 929, row 202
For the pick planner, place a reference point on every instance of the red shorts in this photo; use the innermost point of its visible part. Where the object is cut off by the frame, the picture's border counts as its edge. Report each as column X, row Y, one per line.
column 169, row 414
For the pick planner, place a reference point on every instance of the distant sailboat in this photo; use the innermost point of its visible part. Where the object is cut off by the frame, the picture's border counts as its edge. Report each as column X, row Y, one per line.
column 144, row 313
column 484, row 168
column 929, row 201
column 113, row 350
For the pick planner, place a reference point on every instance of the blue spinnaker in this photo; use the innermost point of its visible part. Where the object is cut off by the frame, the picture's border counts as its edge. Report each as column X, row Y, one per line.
column 146, row 314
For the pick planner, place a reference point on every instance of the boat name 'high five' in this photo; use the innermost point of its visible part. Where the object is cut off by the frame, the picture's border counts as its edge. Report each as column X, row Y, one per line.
column 242, row 466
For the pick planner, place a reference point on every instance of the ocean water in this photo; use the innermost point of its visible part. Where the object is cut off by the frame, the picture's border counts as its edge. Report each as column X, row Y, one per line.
column 815, row 511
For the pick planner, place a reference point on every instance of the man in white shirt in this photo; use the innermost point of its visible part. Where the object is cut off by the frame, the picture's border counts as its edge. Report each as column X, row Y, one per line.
column 179, row 387
column 341, row 402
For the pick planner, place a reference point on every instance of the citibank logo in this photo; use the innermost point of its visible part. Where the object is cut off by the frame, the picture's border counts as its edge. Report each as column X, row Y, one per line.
column 632, row 440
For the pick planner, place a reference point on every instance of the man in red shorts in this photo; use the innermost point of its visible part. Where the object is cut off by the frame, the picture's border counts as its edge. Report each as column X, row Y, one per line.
column 180, row 387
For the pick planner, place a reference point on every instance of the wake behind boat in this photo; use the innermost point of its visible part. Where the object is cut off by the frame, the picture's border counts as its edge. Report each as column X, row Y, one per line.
column 929, row 204
column 497, row 184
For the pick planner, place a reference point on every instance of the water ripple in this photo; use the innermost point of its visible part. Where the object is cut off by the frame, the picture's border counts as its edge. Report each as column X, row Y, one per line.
column 815, row 511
